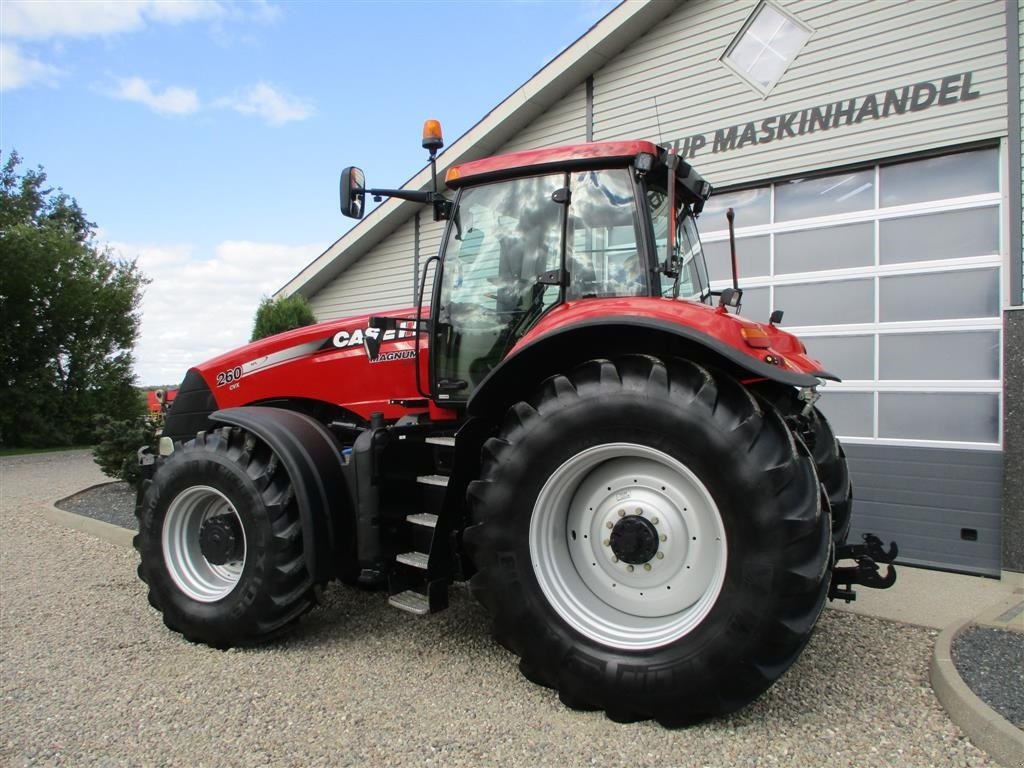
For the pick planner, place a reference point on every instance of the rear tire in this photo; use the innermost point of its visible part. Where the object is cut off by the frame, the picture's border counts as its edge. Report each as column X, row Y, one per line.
column 220, row 541
column 746, row 549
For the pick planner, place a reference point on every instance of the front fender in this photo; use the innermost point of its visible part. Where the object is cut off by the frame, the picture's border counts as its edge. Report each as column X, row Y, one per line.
column 312, row 458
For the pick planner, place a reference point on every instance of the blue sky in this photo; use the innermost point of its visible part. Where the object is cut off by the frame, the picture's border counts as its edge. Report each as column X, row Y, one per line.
column 206, row 138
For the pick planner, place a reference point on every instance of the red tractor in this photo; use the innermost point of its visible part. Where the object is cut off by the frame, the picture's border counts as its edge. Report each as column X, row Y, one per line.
column 632, row 477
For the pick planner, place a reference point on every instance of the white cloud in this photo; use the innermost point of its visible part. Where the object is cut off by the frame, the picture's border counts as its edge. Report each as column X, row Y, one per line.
column 172, row 100
column 267, row 102
column 196, row 308
column 38, row 20
column 18, row 70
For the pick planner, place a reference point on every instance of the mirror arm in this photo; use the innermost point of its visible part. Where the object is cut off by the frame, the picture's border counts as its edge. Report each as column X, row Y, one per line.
column 442, row 205
column 401, row 194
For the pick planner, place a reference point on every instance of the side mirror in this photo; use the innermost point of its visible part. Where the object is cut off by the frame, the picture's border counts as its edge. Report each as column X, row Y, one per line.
column 353, row 192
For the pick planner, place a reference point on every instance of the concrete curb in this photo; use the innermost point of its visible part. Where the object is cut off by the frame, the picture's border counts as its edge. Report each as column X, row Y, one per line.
column 985, row 727
column 106, row 531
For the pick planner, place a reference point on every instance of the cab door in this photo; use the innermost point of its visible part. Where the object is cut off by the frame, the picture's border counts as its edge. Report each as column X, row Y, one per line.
column 503, row 243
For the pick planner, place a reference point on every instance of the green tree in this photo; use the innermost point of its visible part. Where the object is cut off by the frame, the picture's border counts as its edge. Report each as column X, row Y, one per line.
column 281, row 314
column 69, row 318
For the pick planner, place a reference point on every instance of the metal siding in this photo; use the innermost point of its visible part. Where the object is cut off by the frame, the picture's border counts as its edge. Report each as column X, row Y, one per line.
column 678, row 62
column 381, row 280
column 564, row 123
column 922, row 498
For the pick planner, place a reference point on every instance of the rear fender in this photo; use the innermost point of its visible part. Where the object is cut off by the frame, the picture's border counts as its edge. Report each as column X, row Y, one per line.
column 312, row 458
column 518, row 375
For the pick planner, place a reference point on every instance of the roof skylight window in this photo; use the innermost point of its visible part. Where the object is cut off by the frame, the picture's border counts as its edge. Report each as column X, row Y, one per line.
column 766, row 45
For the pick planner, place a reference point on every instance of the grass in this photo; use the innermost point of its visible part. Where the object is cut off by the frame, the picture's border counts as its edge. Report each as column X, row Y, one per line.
column 26, row 451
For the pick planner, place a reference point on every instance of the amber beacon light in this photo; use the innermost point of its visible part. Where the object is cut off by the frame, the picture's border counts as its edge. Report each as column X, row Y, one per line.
column 432, row 139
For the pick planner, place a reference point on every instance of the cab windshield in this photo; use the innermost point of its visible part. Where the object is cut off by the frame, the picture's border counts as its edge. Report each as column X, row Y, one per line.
column 692, row 282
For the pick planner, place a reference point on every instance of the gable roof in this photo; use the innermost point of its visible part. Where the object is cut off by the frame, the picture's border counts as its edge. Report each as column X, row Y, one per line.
column 624, row 24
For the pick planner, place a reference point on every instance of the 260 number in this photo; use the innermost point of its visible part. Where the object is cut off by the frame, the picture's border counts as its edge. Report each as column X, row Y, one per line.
column 226, row 377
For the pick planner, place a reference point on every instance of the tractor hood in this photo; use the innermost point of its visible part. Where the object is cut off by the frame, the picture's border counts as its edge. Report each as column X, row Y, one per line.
column 325, row 363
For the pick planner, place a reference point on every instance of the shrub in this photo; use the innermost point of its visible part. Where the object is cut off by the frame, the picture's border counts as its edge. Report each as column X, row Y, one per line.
column 120, row 440
column 280, row 315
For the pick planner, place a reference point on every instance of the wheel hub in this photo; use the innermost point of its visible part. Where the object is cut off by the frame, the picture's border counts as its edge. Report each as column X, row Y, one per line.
column 634, row 540
column 628, row 545
column 220, row 539
column 203, row 543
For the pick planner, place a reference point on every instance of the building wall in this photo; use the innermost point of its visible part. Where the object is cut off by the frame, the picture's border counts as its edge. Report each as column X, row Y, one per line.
column 386, row 277
column 856, row 49
column 564, row 123
column 383, row 279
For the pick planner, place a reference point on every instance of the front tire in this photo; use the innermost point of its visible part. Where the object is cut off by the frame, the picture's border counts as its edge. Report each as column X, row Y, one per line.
column 220, row 541
column 829, row 457
column 649, row 540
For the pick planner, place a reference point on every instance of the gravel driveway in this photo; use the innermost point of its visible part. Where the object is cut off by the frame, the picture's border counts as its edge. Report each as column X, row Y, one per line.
column 90, row 676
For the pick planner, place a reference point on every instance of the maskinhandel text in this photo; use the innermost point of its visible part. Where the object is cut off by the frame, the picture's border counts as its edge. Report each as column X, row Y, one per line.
column 896, row 101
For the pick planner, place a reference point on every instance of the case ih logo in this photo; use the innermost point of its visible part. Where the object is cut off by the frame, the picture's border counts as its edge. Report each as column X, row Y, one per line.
column 875, row 106
column 345, row 339
column 372, row 338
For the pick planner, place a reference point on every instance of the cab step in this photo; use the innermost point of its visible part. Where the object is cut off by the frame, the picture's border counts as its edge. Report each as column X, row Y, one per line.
column 449, row 441
column 411, row 601
column 415, row 559
column 438, row 480
column 425, row 519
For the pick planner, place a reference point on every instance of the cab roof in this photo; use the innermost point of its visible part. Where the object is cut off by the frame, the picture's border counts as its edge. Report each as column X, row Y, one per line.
column 593, row 154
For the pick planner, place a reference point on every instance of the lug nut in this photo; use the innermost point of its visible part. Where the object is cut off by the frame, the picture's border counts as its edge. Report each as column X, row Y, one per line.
column 663, row 537
column 647, row 566
column 660, row 555
column 629, row 568
column 615, row 559
column 654, row 520
column 607, row 542
column 639, row 510
column 609, row 524
column 622, row 513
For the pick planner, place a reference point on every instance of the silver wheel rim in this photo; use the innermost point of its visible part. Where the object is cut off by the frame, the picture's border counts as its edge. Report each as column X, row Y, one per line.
column 609, row 601
column 196, row 576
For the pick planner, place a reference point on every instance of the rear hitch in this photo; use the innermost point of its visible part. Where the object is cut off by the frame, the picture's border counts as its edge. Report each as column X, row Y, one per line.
column 866, row 572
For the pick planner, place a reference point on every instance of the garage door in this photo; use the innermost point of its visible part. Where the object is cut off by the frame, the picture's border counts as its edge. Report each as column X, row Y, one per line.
column 891, row 275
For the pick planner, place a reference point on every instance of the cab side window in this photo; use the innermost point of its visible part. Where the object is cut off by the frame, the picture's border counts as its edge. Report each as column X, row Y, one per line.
column 604, row 257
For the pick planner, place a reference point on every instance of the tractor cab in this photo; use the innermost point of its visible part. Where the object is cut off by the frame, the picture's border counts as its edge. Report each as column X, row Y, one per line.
column 532, row 230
